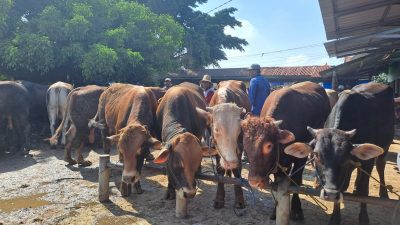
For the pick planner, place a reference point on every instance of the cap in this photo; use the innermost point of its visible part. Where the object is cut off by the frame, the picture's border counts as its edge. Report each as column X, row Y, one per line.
column 206, row 78
column 167, row 79
column 254, row 67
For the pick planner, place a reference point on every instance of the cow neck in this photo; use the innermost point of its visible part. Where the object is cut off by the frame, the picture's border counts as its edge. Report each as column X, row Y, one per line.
column 173, row 129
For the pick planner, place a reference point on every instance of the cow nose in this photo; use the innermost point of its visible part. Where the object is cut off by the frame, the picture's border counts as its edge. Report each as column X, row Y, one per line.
column 331, row 195
column 257, row 183
column 230, row 165
column 189, row 193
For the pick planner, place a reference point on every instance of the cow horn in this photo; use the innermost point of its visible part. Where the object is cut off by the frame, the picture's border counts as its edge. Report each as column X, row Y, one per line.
column 351, row 133
column 278, row 123
column 312, row 131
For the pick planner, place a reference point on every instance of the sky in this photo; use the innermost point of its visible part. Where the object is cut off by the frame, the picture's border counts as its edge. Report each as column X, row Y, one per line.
column 272, row 27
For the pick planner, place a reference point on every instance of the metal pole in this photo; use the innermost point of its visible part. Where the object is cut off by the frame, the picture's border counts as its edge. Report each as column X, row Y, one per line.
column 104, row 178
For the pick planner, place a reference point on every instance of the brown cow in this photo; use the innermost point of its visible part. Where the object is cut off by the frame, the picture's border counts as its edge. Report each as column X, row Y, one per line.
column 181, row 129
column 127, row 112
column 82, row 106
column 226, row 107
column 298, row 106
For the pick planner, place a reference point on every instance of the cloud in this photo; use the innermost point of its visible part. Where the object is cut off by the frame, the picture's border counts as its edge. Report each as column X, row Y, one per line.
column 246, row 31
column 296, row 60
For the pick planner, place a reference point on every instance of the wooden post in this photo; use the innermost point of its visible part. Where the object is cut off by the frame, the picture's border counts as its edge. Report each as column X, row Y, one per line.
column 104, row 178
column 334, row 81
column 282, row 197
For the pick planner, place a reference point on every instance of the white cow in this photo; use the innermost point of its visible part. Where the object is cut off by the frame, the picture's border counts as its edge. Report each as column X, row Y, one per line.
column 56, row 100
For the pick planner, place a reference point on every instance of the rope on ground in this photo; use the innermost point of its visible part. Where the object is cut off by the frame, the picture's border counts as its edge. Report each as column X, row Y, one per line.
column 388, row 187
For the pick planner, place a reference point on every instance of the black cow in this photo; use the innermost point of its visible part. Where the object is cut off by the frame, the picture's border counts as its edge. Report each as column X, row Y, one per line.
column 359, row 128
column 14, row 116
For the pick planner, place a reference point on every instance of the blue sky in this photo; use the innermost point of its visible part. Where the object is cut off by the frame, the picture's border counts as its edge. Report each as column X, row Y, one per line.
column 272, row 25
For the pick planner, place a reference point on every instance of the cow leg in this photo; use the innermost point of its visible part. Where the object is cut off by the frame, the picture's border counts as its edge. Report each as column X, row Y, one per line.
column 335, row 217
column 64, row 130
column 219, row 200
column 139, row 166
column 106, row 142
column 70, row 136
column 170, row 194
column 296, row 212
column 81, row 161
column 380, row 168
column 363, row 190
column 239, row 198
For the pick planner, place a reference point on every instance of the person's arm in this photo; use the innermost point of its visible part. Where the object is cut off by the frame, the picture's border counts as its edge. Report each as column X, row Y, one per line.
column 252, row 91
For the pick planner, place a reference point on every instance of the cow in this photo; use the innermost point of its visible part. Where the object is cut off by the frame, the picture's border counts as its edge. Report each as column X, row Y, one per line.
column 127, row 113
column 56, row 101
column 14, row 116
column 157, row 91
column 37, row 102
column 297, row 106
column 333, row 96
column 181, row 129
column 81, row 107
column 224, row 116
column 359, row 129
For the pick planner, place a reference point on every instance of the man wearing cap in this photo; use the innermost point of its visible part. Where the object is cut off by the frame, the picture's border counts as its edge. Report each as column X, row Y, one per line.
column 208, row 88
column 259, row 89
column 167, row 83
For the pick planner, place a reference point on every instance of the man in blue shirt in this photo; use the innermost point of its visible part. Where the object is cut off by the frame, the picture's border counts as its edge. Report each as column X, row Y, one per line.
column 259, row 89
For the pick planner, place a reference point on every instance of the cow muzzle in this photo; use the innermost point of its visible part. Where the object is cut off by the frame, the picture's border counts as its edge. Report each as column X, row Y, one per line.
column 331, row 195
column 258, row 182
column 229, row 165
column 131, row 178
column 189, row 193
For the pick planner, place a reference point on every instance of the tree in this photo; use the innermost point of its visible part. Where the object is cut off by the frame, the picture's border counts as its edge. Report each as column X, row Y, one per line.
column 205, row 39
column 381, row 78
column 95, row 41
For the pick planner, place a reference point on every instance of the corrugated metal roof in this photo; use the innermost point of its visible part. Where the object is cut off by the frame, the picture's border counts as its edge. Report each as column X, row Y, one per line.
column 311, row 71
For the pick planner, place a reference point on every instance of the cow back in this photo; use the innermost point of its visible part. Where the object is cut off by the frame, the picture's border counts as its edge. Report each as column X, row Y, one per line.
column 177, row 110
column 231, row 91
column 300, row 105
column 369, row 108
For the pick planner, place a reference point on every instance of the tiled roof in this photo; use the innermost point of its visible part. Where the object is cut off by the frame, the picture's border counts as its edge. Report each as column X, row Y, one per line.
column 312, row 71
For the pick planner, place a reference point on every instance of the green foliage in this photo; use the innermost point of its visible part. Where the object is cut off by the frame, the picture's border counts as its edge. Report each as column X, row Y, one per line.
column 381, row 78
column 93, row 40
column 205, row 39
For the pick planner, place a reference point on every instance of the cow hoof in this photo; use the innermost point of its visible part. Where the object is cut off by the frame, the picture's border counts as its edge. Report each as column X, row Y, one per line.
column 170, row 195
column 138, row 188
column 71, row 162
column 219, row 204
column 239, row 205
column 85, row 163
column 297, row 215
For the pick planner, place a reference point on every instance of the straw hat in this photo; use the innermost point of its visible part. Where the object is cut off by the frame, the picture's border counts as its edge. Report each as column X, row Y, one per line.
column 206, row 78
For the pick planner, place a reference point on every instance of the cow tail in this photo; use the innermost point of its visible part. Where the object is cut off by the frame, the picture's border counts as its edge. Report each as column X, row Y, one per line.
column 54, row 139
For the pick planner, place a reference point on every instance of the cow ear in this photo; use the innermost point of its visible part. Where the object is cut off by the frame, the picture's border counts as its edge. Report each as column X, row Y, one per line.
column 162, row 157
column 366, row 151
column 204, row 114
column 114, row 138
column 285, row 136
column 298, row 149
column 154, row 143
column 207, row 152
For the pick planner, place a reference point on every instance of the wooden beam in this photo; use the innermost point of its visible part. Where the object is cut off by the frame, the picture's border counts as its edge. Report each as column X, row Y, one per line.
column 361, row 8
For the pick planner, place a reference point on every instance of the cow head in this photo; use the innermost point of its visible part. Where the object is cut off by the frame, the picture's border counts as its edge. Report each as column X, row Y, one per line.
column 261, row 137
column 130, row 141
column 224, row 120
column 333, row 152
column 183, row 156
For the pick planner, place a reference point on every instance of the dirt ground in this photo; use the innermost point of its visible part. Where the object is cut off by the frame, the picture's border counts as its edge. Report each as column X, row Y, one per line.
column 41, row 189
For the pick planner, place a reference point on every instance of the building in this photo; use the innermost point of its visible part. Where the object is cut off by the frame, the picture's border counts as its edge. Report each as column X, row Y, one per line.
column 276, row 75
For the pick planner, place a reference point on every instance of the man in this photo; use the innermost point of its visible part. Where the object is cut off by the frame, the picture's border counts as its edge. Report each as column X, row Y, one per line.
column 167, row 83
column 259, row 89
column 208, row 88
